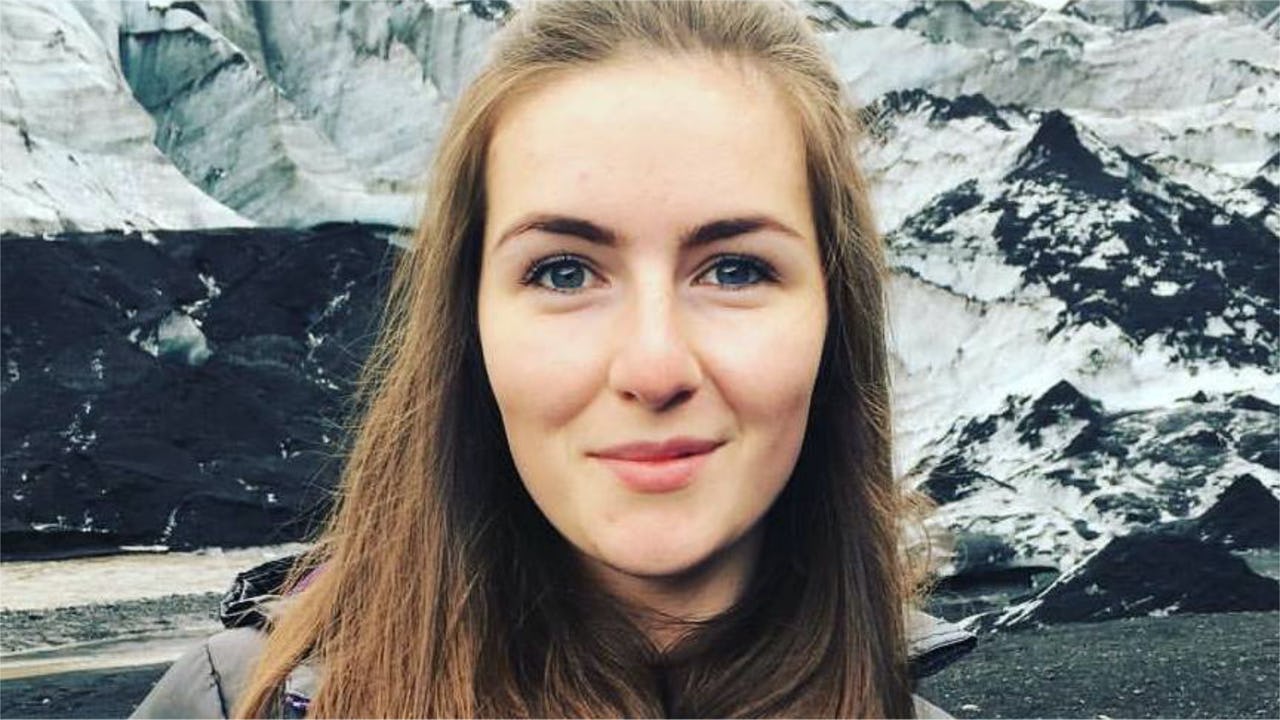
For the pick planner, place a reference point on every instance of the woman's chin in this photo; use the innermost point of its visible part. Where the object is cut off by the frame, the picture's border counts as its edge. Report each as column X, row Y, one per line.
column 649, row 558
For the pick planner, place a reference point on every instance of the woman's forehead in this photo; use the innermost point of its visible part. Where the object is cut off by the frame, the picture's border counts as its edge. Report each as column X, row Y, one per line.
column 634, row 143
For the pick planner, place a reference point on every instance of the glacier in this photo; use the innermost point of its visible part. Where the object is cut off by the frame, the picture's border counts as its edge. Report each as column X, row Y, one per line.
column 1078, row 197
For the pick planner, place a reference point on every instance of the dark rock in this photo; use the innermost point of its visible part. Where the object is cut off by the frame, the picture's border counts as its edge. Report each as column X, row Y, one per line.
column 1070, row 193
column 191, row 7
column 957, row 21
column 1067, row 477
column 1273, row 163
column 904, row 20
column 952, row 479
column 1260, row 448
column 1193, row 440
column 927, row 224
column 1090, row 439
column 1151, row 572
column 1205, row 438
column 495, row 10
column 943, row 109
column 1083, row 530
column 976, row 431
column 1058, row 403
column 1246, row 515
column 1253, row 402
column 829, row 15
column 1133, row 14
column 1056, row 152
column 1134, row 509
column 110, row 441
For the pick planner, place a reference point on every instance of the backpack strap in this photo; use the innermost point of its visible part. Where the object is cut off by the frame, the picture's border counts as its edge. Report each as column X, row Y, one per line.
column 299, row 688
column 243, row 604
column 247, row 604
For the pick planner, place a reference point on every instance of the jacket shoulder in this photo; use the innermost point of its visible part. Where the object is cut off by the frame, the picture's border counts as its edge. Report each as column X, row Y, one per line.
column 934, row 643
column 207, row 680
column 926, row 710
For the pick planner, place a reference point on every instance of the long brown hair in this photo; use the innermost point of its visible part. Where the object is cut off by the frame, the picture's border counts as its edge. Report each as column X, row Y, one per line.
column 444, row 592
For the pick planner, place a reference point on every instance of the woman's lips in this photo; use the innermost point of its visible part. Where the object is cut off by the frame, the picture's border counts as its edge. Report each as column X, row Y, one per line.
column 657, row 467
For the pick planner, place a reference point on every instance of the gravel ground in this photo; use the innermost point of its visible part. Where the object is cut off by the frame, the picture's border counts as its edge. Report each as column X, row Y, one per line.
column 1192, row 666
column 31, row 629
column 1182, row 666
column 88, row 694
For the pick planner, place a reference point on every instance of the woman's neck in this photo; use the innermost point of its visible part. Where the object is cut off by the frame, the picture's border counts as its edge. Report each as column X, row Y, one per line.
column 663, row 606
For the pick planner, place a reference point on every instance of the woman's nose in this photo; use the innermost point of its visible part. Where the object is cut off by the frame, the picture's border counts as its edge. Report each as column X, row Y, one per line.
column 654, row 363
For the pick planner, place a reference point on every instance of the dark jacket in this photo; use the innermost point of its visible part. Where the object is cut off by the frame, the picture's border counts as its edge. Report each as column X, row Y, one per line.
column 208, row 680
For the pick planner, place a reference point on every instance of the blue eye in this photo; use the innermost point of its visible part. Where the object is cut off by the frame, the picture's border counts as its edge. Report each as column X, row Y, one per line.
column 563, row 273
column 736, row 272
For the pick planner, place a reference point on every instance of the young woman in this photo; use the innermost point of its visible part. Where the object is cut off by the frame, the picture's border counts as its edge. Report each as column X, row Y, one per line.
column 625, row 446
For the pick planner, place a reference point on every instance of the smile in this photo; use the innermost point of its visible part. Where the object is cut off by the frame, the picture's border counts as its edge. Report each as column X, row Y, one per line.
column 658, row 467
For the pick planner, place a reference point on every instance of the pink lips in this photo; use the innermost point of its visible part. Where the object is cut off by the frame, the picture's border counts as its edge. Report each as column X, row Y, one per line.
column 657, row 467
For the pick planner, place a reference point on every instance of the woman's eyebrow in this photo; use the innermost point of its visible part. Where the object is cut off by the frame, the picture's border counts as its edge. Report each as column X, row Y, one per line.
column 701, row 235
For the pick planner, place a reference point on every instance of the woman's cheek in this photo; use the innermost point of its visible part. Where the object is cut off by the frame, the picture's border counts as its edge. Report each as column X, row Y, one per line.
column 543, row 365
column 767, row 360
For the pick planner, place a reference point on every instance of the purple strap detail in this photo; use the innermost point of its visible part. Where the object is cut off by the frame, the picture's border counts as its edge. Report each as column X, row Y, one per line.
column 295, row 705
column 306, row 580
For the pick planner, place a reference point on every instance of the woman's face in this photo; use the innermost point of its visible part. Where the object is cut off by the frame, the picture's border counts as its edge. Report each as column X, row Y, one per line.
column 651, row 306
